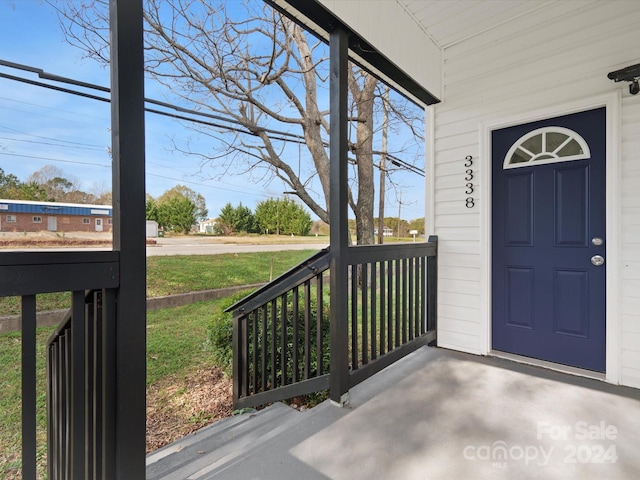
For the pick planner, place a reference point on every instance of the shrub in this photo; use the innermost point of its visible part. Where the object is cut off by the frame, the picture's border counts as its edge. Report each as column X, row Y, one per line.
column 221, row 336
column 221, row 333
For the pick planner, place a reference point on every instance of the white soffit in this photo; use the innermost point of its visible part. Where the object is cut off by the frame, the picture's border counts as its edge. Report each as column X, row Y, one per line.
column 391, row 28
column 449, row 22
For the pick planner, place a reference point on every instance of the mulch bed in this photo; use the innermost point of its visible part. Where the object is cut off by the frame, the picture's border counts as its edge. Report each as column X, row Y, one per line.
column 176, row 409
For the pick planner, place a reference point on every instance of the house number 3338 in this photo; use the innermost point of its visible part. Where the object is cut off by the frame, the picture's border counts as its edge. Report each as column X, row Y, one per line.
column 468, row 177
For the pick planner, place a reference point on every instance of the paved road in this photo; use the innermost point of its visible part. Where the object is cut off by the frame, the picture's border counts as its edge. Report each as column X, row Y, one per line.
column 195, row 246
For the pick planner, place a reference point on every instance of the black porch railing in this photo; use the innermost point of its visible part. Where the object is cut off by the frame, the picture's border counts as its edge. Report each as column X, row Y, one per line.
column 81, row 388
column 80, row 363
column 281, row 337
column 392, row 303
column 281, row 332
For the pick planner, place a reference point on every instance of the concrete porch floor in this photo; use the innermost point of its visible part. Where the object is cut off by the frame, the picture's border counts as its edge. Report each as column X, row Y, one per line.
column 439, row 414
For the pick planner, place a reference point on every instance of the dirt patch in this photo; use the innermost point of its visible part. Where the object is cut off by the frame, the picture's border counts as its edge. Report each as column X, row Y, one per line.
column 45, row 239
column 38, row 240
column 48, row 242
column 175, row 409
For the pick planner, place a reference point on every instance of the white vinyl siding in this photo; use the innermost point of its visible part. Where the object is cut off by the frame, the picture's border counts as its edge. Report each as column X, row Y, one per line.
column 550, row 56
column 630, row 240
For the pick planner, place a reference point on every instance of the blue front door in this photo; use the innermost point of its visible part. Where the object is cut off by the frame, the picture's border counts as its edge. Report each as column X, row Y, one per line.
column 548, row 237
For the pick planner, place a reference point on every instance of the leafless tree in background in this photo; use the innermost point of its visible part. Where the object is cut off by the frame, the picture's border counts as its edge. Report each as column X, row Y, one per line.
column 245, row 62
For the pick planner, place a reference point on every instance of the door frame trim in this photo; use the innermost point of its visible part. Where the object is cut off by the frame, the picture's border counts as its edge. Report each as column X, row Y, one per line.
column 612, row 103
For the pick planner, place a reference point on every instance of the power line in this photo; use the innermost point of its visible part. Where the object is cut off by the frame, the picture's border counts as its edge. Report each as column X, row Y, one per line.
column 49, row 138
column 265, row 195
column 57, row 78
column 210, row 186
column 244, row 128
column 51, row 108
column 53, row 144
column 55, row 159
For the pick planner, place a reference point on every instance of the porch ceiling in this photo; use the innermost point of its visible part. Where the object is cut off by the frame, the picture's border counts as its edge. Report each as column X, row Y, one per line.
column 450, row 22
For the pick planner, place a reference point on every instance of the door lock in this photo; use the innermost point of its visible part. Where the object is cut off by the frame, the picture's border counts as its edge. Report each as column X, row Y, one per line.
column 597, row 260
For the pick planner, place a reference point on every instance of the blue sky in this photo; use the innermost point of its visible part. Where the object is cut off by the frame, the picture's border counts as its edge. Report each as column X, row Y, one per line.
column 41, row 127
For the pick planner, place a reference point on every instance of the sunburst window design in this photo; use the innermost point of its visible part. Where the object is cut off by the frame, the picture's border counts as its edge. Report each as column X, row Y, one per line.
column 546, row 145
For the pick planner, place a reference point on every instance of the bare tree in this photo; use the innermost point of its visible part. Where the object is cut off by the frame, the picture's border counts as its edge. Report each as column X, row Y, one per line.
column 246, row 63
column 57, row 184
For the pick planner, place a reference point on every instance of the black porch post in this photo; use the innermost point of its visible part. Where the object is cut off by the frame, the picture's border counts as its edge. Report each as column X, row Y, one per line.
column 339, row 236
column 127, row 124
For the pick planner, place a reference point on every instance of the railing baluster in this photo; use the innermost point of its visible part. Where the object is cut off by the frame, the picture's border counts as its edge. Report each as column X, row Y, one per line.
column 265, row 340
column 59, row 408
column 91, row 309
column 390, row 308
column 108, row 433
column 374, row 310
column 246, row 380
column 420, row 294
column 243, row 360
column 285, row 338
column 397, row 300
column 410, row 308
column 274, row 343
column 432, row 290
column 51, row 406
column 417, row 298
column 97, row 352
column 254, row 362
column 354, row 316
column 78, row 379
column 320, row 326
column 29, row 397
column 403, row 300
column 383, row 311
column 307, row 328
column 364, row 282
column 296, row 315
column 65, row 461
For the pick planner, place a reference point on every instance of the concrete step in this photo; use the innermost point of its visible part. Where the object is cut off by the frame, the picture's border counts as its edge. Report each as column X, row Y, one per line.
column 213, row 448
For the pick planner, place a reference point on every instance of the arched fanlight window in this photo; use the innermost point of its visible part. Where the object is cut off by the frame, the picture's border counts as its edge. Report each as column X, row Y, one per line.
column 546, row 145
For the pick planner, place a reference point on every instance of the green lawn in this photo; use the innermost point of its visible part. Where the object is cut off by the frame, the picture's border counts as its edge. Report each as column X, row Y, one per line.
column 181, row 274
column 177, row 338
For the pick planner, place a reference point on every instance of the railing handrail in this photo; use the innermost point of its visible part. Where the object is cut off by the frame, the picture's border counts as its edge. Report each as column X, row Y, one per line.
column 41, row 258
column 319, row 262
column 392, row 251
column 33, row 273
column 304, row 271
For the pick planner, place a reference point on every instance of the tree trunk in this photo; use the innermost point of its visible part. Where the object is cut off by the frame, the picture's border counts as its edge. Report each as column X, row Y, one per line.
column 382, row 166
column 363, row 96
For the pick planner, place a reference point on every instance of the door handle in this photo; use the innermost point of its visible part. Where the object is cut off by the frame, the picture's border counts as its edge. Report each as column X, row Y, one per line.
column 597, row 260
